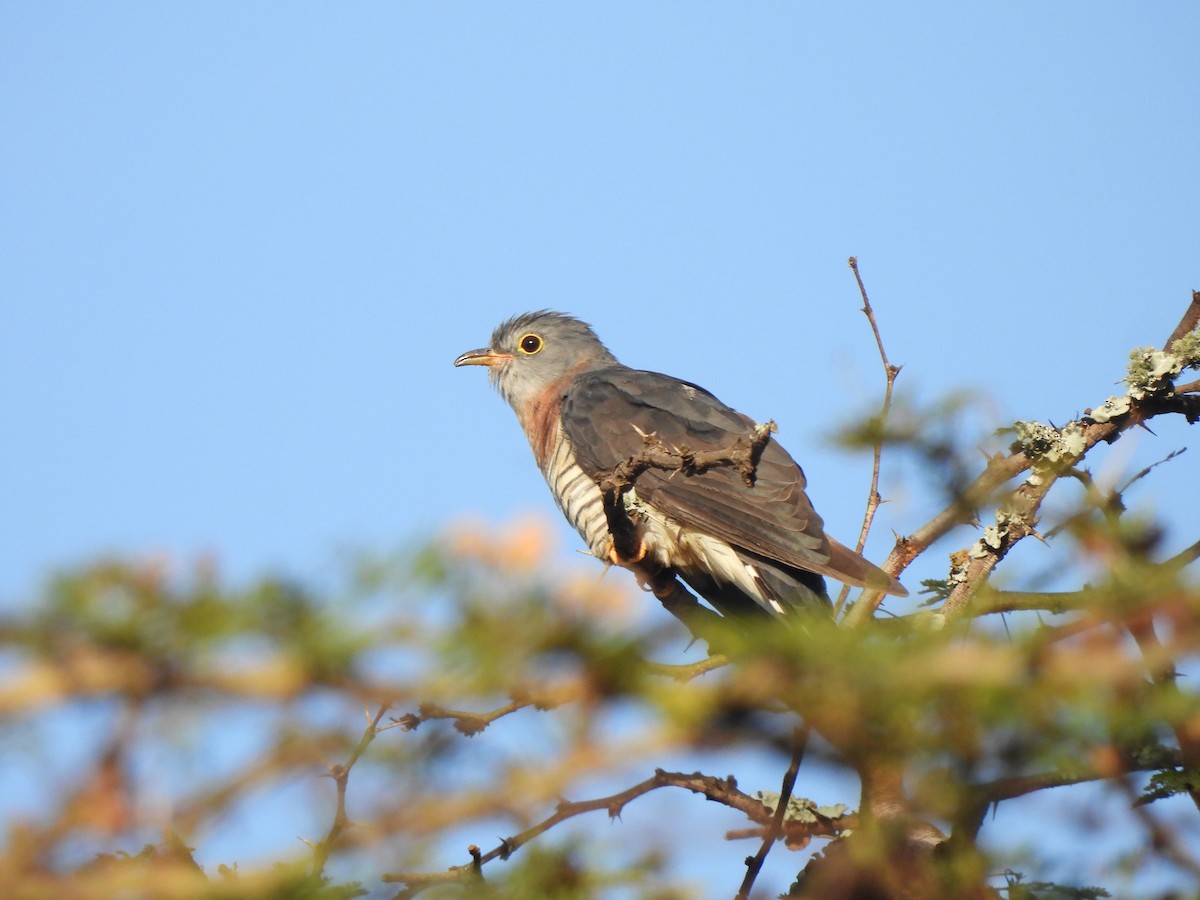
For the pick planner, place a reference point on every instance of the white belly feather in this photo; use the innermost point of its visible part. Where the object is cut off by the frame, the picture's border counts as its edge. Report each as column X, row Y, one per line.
column 577, row 496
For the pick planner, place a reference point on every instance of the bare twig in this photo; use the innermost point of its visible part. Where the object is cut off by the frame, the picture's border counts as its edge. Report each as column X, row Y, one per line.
column 989, row 602
column 962, row 509
column 984, row 796
column 775, row 827
column 690, row 670
column 1028, row 496
column 720, row 790
column 890, row 372
column 341, row 777
column 743, row 455
column 1110, row 501
column 471, row 723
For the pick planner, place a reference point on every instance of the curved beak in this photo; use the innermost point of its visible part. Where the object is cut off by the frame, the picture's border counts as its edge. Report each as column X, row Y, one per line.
column 484, row 356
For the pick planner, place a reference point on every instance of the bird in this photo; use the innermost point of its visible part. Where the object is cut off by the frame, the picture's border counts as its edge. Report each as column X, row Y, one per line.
column 746, row 548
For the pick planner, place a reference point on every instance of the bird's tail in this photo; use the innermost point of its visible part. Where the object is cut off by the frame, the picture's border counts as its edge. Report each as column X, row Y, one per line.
column 849, row 568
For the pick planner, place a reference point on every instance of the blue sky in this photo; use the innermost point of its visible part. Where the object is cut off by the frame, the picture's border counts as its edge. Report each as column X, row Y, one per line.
column 244, row 242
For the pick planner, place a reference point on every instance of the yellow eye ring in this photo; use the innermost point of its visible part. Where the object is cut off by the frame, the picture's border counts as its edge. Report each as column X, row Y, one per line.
column 531, row 344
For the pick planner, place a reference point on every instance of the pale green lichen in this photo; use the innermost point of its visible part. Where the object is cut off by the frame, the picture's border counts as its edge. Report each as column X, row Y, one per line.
column 1151, row 371
column 1111, row 409
column 800, row 809
column 1187, row 348
column 1047, row 446
column 993, row 535
column 979, row 549
column 1035, row 438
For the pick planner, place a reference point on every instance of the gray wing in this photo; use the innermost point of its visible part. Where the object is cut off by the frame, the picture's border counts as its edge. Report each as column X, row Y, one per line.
column 773, row 519
column 602, row 414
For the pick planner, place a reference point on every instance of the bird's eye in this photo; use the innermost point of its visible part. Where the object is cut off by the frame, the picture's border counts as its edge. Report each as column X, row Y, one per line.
column 531, row 344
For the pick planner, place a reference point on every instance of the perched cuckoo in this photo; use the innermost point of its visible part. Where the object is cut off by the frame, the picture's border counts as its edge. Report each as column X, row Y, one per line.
column 743, row 547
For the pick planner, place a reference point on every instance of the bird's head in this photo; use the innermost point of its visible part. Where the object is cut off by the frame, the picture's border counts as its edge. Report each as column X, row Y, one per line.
column 530, row 352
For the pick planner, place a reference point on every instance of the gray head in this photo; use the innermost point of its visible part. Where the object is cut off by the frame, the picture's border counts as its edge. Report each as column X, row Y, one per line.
column 529, row 352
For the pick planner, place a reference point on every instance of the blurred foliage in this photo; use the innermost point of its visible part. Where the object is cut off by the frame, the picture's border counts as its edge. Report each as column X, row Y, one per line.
column 476, row 632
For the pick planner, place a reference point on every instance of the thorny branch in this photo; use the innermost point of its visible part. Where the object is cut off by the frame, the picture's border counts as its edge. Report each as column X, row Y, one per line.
column 986, row 795
column 340, row 773
column 1026, row 499
column 721, row 790
column 471, row 723
column 615, row 485
column 890, row 372
column 775, row 827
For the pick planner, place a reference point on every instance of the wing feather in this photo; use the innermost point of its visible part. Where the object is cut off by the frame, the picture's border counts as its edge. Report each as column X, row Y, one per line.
column 604, row 415
column 606, row 412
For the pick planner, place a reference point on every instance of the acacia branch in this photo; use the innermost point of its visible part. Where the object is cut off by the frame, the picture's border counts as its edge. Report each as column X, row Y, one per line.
column 1027, row 498
column 990, row 602
column 1024, row 503
column 471, row 723
column 720, row 790
column 341, row 777
column 984, row 796
column 775, row 827
column 961, row 510
column 688, row 671
column 890, row 373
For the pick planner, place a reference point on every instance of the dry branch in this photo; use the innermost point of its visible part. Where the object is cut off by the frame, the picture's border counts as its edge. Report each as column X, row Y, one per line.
column 340, row 774
column 743, row 455
column 720, row 790
column 986, row 795
column 890, row 373
column 471, row 723
column 1025, row 501
column 775, row 827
